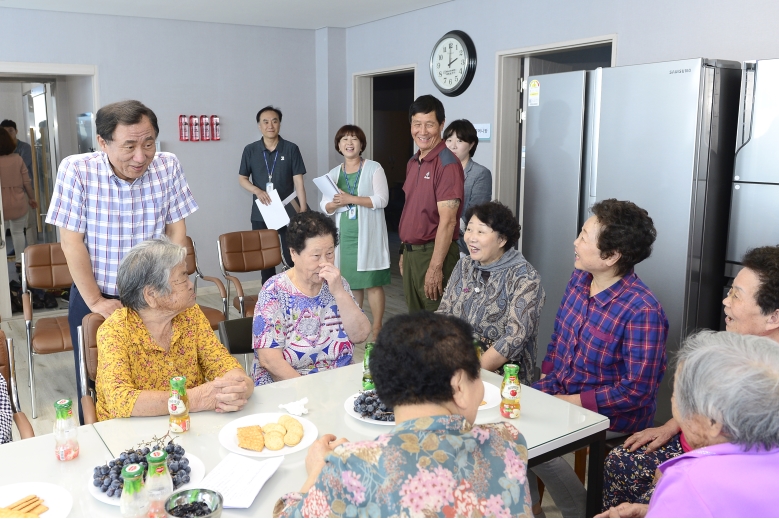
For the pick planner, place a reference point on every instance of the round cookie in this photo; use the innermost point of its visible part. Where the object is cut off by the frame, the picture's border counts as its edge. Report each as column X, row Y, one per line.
column 292, row 438
column 274, row 441
column 274, row 427
column 287, row 419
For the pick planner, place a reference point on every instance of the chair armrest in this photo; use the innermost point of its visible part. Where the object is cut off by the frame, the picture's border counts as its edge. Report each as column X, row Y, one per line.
column 88, row 409
column 218, row 283
column 23, row 424
column 234, row 281
column 27, row 305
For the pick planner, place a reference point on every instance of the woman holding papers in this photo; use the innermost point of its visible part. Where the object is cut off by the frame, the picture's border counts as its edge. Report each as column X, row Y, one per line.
column 363, row 253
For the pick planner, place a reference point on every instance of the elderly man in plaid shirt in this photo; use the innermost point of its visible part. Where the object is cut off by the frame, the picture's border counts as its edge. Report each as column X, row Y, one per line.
column 108, row 201
column 607, row 351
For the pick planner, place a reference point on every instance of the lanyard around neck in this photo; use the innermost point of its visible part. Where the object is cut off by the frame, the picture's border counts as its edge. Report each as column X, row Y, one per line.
column 270, row 171
column 352, row 190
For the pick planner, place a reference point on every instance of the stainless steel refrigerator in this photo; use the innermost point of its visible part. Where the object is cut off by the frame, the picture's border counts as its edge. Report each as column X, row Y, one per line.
column 660, row 135
column 754, row 209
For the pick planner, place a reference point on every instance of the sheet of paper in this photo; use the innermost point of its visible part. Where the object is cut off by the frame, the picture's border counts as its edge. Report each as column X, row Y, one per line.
column 239, row 479
column 328, row 189
column 275, row 215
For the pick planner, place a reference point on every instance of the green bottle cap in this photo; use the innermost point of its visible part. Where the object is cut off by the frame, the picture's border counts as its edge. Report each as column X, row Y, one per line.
column 133, row 470
column 511, row 370
column 179, row 384
column 63, row 408
column 157, row 456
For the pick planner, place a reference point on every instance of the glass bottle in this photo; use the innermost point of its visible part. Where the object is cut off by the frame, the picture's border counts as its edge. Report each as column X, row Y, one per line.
column 510, row 392
column 178, row 405
column 367, row 378
column 65, row 431
column 134, row 502
column 159, row 483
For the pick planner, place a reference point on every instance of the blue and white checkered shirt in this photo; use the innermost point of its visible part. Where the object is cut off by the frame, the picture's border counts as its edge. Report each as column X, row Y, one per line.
column 114, row 215
column 6, row 413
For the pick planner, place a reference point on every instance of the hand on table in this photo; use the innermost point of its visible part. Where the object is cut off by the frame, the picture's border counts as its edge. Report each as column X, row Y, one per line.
column 655, row 437
column 263, row 197
column 105, row 307
column 434, row 283
column 315, row 459
column 625, row 510
column 230, row 392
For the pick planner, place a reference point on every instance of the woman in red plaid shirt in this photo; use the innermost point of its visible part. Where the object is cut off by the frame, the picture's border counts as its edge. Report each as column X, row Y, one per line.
column 607, row 351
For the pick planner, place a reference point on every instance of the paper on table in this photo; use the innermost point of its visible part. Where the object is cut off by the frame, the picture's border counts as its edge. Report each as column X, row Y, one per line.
column 275, row 215
column 328, row 189
column 239, row 479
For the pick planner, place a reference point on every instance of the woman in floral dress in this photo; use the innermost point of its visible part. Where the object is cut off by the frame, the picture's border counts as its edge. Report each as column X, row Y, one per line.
column 306, row 319
column 435, row 462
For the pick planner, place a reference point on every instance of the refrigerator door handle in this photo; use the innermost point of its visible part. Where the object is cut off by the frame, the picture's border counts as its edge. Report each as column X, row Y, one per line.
column 594, row 141
column 747, row 105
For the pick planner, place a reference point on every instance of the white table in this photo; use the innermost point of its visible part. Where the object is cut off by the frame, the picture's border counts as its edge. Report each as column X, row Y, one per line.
column 33, row 460
column 551, row 427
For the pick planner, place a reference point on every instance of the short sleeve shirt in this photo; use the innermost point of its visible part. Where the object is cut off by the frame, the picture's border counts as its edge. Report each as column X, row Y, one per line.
column 435, row 178
column 284, row 162
column 115, row 215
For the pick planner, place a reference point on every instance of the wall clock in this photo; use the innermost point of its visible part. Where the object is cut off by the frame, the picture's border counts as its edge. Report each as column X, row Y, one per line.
column 453, row 63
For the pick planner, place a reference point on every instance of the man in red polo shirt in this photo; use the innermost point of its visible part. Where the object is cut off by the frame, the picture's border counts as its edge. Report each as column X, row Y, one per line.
column 434, row 189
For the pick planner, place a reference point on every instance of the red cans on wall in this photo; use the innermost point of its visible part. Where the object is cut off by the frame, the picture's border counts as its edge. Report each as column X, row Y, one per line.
column 203, row 128
column 216, row 131
column 183, row 128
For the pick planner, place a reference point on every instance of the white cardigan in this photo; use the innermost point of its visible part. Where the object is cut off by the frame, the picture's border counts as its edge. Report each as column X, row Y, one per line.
column 372, row 245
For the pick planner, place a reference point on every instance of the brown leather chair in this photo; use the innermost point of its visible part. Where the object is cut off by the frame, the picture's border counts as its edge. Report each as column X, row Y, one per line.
column 44, row 267
column 87, row 341
column 213, row 315
column 8, row 371
column 247, row 251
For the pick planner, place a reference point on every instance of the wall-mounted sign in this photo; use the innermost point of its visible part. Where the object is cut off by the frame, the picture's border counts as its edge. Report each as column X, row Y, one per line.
column 483, row 131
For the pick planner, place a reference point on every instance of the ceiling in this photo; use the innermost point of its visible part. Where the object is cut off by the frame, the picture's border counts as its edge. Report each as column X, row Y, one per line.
column 290, row 14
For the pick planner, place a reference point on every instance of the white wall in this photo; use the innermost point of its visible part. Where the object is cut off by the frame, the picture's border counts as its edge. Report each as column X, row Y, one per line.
column 74, row 97
column 191, row 68
column 659, row 30
column 11, row 106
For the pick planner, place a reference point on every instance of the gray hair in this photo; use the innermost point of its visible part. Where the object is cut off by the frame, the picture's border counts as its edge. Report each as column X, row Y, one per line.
column 148, row 264
column 734, row 380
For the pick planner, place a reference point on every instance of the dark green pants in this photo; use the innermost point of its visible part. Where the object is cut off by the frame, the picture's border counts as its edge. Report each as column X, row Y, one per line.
column 415, row 264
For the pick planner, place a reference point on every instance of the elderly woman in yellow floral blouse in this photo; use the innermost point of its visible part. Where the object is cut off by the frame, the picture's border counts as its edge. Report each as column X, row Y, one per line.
column 160, row 334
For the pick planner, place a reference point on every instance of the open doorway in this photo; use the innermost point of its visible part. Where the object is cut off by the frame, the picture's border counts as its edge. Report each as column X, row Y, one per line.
column 513, row 69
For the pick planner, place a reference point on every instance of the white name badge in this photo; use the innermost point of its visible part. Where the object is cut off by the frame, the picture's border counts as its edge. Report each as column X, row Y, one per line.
column 353, row 212
column 268, row 186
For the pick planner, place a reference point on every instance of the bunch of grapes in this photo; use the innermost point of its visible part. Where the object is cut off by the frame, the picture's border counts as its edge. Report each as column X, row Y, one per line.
column 108, row 478
column 368, row 405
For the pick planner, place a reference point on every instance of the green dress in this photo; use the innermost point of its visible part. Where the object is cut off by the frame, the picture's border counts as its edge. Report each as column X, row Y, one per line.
column 348, row 243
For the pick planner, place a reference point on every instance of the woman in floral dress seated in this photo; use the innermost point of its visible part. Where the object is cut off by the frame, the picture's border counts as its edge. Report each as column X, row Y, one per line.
column 435, row 462
column 306, row 319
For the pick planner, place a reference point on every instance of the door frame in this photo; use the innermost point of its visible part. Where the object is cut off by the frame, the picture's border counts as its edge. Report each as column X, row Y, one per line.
column 30, row 71
column 362, row 99
column 507, row 155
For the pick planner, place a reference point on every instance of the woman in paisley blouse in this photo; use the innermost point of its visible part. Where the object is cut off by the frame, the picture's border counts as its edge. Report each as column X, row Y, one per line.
column 160, row 333
column 496, row 290
column 435, row 462
column 306, row 318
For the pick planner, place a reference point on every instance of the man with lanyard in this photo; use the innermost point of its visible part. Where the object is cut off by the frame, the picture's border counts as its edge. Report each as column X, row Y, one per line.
column 25, row 151
column 108, row 201
column 434, row 190
column 273, row 163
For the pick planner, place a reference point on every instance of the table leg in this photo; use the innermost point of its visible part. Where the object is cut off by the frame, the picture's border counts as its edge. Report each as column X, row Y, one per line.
column 595, row 475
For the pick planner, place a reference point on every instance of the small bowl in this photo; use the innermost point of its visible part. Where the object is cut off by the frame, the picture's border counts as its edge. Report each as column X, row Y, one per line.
column 212, row 498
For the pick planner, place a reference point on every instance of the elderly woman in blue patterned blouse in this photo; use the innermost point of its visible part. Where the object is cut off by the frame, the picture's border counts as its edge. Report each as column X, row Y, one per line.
column 434, row 463
column 496, row 290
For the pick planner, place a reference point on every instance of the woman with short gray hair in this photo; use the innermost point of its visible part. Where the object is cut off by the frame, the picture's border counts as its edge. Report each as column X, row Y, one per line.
column 726, row 400
column 161, row 333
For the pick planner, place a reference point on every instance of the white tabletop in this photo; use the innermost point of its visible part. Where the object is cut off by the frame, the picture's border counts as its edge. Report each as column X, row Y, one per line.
column 33, row 460
column 546, row 422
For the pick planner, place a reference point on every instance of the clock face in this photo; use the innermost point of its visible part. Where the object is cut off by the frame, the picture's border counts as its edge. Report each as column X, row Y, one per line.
column 453, row 63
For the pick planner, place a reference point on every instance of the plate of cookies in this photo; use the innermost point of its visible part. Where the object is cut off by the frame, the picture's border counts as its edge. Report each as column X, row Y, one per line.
column 34, row 500
column 265, row 435
column 491, row 396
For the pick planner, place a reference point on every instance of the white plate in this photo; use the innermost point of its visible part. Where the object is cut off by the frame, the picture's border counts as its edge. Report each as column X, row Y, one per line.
column 57, row 498
column 195, row 477
column 491, row 396
column 349, row 407
column 228, row 436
